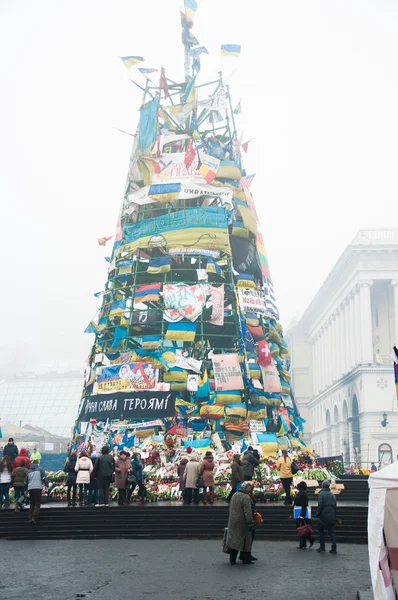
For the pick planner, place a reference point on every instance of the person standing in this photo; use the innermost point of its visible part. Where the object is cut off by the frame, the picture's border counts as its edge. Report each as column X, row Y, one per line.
column 301, row 501
column 326, row 517
column 23, row 456
column 5, row 481
column 122, row 468
column 103, row 472
column 191, row 475
column 83, row 468
column 18, row 481
column 284, row 467
column 93, row 487
column 180, row 472
column 250, row 462
column 206, row 470
column 138, row 476
column 36, row 455
column 240, row 525
column 69, row 469
column 34, row 480
column 236, row 475
column 11, row 450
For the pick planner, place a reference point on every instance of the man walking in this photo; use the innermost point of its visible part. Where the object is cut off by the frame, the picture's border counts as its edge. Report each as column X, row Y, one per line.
column 34, row 480
column 326, row 517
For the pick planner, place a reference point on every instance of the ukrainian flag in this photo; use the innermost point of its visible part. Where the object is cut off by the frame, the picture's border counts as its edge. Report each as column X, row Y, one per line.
column 214, row 268
column 165, row 192
column 131, row 61
column 159, row 265
column 190, row 9
column 230, row 50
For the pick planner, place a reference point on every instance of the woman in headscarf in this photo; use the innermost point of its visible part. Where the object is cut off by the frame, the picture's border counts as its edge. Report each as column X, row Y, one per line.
column 240, row 525
column 236, row 475
column 122, row 468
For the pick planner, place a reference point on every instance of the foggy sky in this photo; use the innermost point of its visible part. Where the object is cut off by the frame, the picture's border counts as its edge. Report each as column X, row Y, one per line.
column 319, row 88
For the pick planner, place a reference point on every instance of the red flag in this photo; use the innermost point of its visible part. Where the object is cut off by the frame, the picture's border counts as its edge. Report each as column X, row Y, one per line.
column 102, row 241
column 264, row 354
column 190, row 154
column 163, row 83
column 245, row 146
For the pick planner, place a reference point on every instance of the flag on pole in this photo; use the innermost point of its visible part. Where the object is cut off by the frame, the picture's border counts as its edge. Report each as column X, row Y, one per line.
column 245, row 182
column 103, row 240
column 245, row 146
column 131, row 61
column 190, row 9
column 209, row 167
column 163, row 83
column 147, row 71
column 238, row 108
column 194, row 127
column 188, row 89
column 190, row 154
column 188, row 37
column 199, row 50
column 230, row 50
column 215, row 117
column 196, row 64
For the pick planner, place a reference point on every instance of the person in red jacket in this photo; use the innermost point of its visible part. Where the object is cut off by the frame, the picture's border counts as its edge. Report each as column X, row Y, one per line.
column 23, row 456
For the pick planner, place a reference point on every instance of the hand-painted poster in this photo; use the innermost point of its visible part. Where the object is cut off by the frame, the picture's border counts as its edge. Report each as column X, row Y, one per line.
column 252, row 301
column 201, row 227
column 227, row 373
column 127, row 377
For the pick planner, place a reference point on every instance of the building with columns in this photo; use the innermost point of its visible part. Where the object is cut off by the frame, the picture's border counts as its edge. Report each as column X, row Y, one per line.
column 342, row 356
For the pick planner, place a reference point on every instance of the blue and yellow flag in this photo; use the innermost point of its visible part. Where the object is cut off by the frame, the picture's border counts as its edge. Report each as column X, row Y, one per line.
column 190, row 7
column 230, row 50
column 165, row 192
column 147, row 71
column 189, row 90
column 131, row 61
column 159, row 265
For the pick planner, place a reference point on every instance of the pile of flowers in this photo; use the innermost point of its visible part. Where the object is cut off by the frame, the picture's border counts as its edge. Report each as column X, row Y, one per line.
column 162, row 482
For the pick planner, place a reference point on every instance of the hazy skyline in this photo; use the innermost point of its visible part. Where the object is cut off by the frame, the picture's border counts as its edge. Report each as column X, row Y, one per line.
column 318, row 84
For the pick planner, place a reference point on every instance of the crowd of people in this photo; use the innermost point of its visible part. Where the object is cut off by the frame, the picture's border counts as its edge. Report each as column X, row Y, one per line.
column 90, row 475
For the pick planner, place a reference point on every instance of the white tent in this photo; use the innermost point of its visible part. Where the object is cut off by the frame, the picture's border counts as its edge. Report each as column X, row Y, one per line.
column 383, row 517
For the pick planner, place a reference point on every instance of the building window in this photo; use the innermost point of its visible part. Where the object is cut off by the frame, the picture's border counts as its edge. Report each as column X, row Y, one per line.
column 385, row 455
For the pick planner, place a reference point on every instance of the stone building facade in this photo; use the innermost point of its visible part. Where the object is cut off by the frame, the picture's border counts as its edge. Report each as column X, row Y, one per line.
column 342, row 357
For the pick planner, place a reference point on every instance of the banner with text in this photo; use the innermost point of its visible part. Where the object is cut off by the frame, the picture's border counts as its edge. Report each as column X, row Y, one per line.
column 128, row 405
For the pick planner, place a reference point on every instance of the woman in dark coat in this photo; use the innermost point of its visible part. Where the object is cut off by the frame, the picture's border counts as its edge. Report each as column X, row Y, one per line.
column 180, row 473
column 122, row 469
column 71, row 484
column 236, row 475
column 137, row 473
column 240, row 525
column 301, row 500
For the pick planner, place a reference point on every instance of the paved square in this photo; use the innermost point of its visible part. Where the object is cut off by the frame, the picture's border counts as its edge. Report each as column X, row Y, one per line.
column 181, row 570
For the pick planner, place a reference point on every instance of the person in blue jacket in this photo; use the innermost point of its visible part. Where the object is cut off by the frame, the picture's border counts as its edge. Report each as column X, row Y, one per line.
column 137, row 477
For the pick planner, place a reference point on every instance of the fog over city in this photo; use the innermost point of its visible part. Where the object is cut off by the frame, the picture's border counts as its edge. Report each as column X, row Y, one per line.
column 318, row 85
